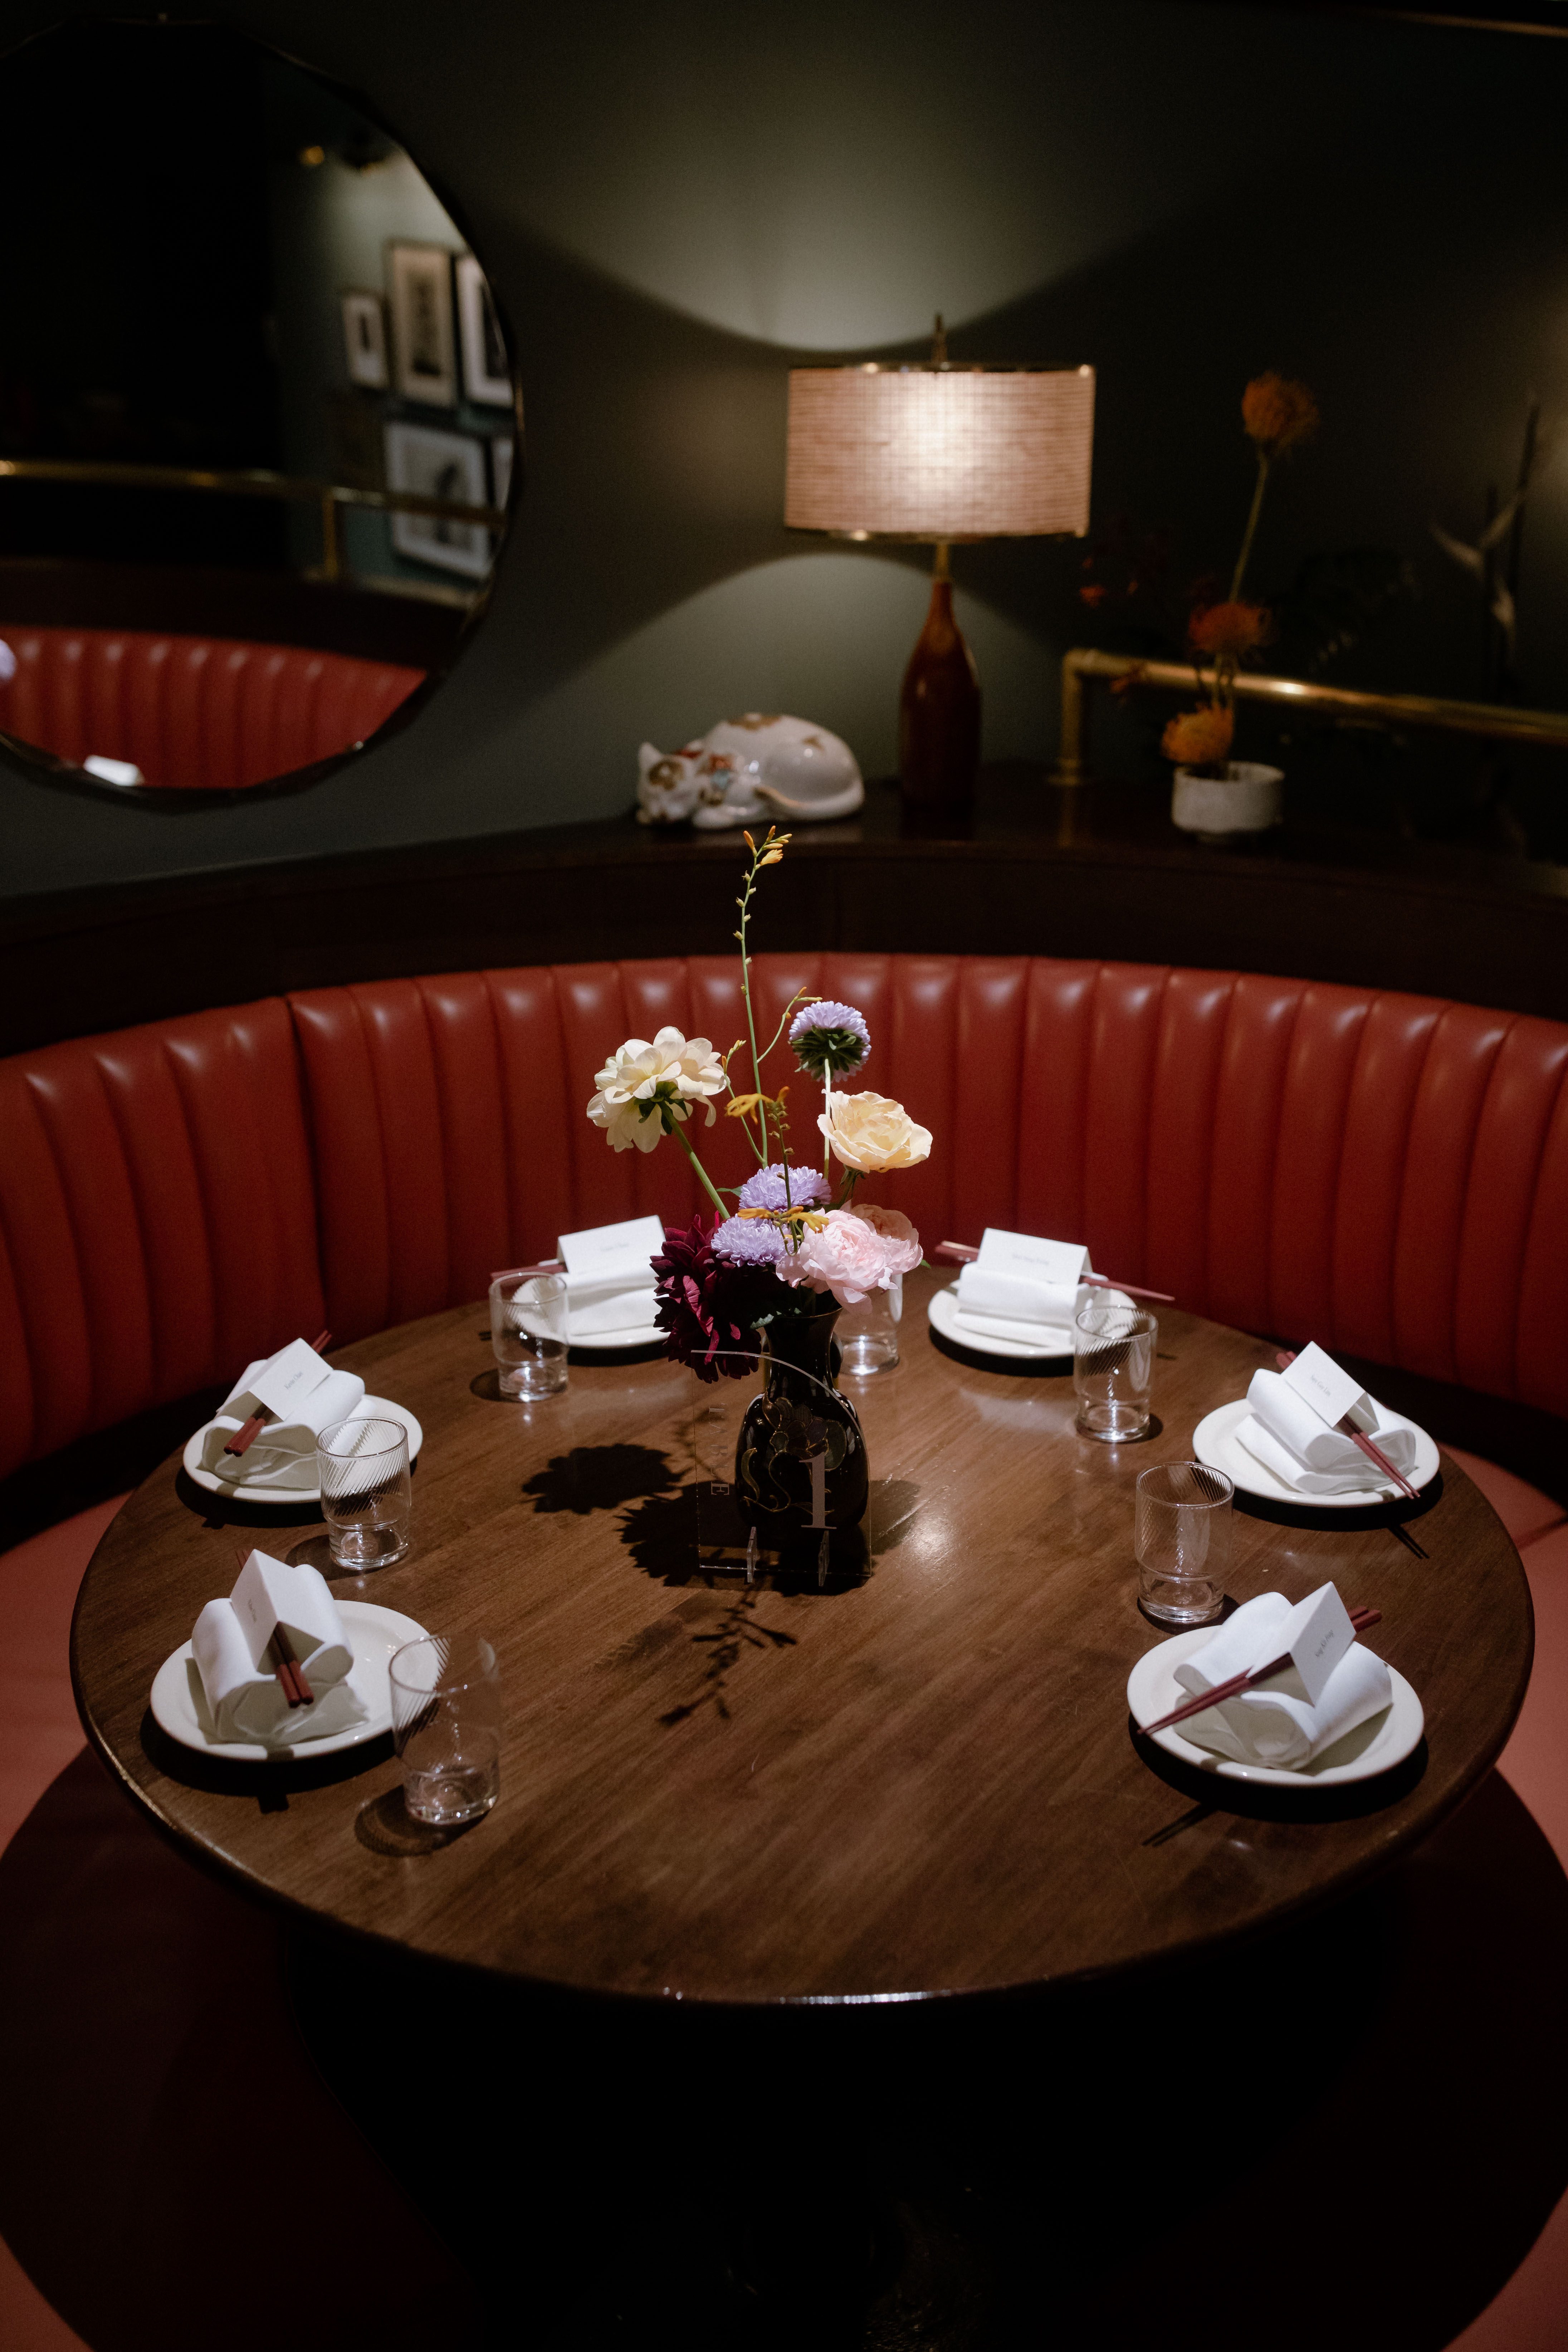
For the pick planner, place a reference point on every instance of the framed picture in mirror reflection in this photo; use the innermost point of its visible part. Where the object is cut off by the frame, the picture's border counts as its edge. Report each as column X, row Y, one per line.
column 424, row 346
column 487, row 371
column 436, row 465
column 365, row 340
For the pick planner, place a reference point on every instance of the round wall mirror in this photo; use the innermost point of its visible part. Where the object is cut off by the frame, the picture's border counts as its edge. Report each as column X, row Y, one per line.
column 259, row 419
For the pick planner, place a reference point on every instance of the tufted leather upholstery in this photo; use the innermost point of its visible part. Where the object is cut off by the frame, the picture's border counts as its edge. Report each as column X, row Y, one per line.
column 1387, row 1174
column 157, row 1219
column 207, row 713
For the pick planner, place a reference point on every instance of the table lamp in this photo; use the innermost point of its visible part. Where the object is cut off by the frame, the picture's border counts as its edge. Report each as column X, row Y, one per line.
column 940, row 452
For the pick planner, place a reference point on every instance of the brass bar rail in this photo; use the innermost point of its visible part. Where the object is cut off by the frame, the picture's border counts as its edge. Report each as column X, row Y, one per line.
column 252, row 482
column 1083, row 664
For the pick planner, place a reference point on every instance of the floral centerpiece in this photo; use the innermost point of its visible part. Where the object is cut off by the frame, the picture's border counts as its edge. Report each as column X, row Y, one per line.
column 763, row 1275
column 1277, row 416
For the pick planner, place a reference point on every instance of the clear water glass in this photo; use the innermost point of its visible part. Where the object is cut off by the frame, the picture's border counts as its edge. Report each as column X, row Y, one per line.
column 1113, row 1369
column 1181, row 1536
column 868, row 1335
column 446, row 1725
column 528, row 1333
column 367, row 1494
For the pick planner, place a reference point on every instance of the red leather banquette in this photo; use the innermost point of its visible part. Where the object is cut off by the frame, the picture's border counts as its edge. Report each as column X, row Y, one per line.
column 1387, row 1174
column 207, row 713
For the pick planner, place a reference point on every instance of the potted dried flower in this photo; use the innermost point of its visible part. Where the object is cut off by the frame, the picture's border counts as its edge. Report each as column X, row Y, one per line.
column 1215, row 796
column 764, row 1279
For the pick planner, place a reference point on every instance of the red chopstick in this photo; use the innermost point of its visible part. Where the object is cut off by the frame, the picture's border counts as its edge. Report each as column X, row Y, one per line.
column 245, row 1436
column 1362, row 1619
column 964, row 1254
column 1347, row 1428
column 290, row 1673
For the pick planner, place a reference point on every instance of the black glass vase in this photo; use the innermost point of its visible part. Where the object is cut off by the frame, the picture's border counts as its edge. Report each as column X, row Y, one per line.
column 801, row 1477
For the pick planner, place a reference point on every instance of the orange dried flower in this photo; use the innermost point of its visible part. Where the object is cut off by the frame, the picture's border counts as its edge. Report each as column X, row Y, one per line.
column 1230, row 629
column 1278, row 413
column 1199, row 739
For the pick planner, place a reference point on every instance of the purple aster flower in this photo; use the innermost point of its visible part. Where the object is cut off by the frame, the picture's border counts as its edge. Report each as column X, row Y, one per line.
column 829, row 1036
column 747, row 1241
column 807, row 1189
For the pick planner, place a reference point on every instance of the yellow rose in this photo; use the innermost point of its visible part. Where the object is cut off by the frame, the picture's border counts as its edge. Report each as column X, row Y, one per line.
column 871, row 1133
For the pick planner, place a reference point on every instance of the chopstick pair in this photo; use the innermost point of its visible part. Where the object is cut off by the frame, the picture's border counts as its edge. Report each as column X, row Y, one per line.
column 1347, row 1428
column 290, row 1673
column 1363, row 1619
column 245, row 1436
column 962, row 1254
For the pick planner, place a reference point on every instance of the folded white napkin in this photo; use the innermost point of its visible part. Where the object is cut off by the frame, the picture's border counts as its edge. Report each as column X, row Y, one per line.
column 283, row 1453
column 1283, row 1433
column 1268, row 1727
column 608, row 1302
column 1012, row 1305
column 238, row 1677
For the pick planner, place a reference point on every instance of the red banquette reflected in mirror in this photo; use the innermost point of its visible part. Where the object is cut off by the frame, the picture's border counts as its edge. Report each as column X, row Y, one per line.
column 259, row 419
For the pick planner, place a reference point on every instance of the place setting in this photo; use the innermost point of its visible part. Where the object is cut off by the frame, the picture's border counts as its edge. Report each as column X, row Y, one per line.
column 1272, row 1694
column 1016, row 1304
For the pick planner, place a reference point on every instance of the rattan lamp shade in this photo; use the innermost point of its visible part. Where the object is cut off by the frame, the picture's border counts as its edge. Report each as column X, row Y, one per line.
column 940, row 453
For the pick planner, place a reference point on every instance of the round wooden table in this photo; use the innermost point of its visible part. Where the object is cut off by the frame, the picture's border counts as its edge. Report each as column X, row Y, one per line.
column 718, row 1793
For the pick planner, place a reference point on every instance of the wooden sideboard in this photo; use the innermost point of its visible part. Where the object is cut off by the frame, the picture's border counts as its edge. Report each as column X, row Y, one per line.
column 1099, row 871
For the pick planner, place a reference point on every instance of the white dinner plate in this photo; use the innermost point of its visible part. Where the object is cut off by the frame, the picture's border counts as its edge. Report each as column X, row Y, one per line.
column 631, row 1335
column 1214, row 1441
column 180, row 1705
column 942, row 1309
column 1374, row 1747
column 373, row 1409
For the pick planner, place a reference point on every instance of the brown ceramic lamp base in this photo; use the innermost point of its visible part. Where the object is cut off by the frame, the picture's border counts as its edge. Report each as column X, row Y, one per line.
column 939, row 708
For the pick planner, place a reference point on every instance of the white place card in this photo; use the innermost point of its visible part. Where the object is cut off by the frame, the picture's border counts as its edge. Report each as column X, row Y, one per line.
column 1031, row 1258
column 284, row 1383
column 613, row 1253
column 1317, row 1634
column 1317, row 1381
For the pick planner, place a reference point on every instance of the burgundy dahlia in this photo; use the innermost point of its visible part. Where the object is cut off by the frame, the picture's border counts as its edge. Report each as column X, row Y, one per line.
column 707, row 1307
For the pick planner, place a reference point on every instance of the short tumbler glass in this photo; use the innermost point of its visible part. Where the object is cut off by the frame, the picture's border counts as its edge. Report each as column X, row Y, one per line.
column 1113, row 1369
column 528, row 1333
column 367, row 1495
column 1183, row 1541
column 446, row 1724
column 868, row 1335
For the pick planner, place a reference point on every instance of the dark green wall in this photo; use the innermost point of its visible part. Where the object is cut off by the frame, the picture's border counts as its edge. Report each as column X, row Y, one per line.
column 675, row 202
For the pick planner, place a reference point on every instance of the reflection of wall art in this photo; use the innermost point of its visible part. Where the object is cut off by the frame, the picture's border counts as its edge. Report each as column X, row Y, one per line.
column 486, row 374
column 502, row 447
column 436, row 465
column 365, row 340
column 421, row 277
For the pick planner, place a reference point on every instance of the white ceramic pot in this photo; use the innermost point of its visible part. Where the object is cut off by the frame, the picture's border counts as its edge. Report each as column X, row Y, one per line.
column 1248, row 798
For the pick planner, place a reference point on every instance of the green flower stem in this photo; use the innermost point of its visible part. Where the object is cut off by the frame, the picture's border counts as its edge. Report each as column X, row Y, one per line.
column 707, row 1182
column 744, row 903
column 1241, row 561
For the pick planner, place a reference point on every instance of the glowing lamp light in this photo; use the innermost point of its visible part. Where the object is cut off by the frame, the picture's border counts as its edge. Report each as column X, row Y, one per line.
column 940, row 453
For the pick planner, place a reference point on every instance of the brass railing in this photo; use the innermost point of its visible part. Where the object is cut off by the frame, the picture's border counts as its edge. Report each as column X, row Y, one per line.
column 1084, row 664
column 252, row 482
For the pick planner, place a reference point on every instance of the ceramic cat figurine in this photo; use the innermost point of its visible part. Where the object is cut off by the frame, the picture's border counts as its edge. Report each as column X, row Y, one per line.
column 754, row 766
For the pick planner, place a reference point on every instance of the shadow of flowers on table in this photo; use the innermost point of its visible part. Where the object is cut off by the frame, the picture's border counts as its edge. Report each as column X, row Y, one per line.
column 599, row 1479
column 664, row 1533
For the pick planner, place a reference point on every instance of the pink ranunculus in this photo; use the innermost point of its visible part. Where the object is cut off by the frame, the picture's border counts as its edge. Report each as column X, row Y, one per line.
column 899, row 1236
column 846, row 1255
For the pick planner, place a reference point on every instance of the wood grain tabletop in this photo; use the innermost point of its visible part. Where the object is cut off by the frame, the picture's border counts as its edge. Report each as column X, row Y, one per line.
column 926, row 1784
